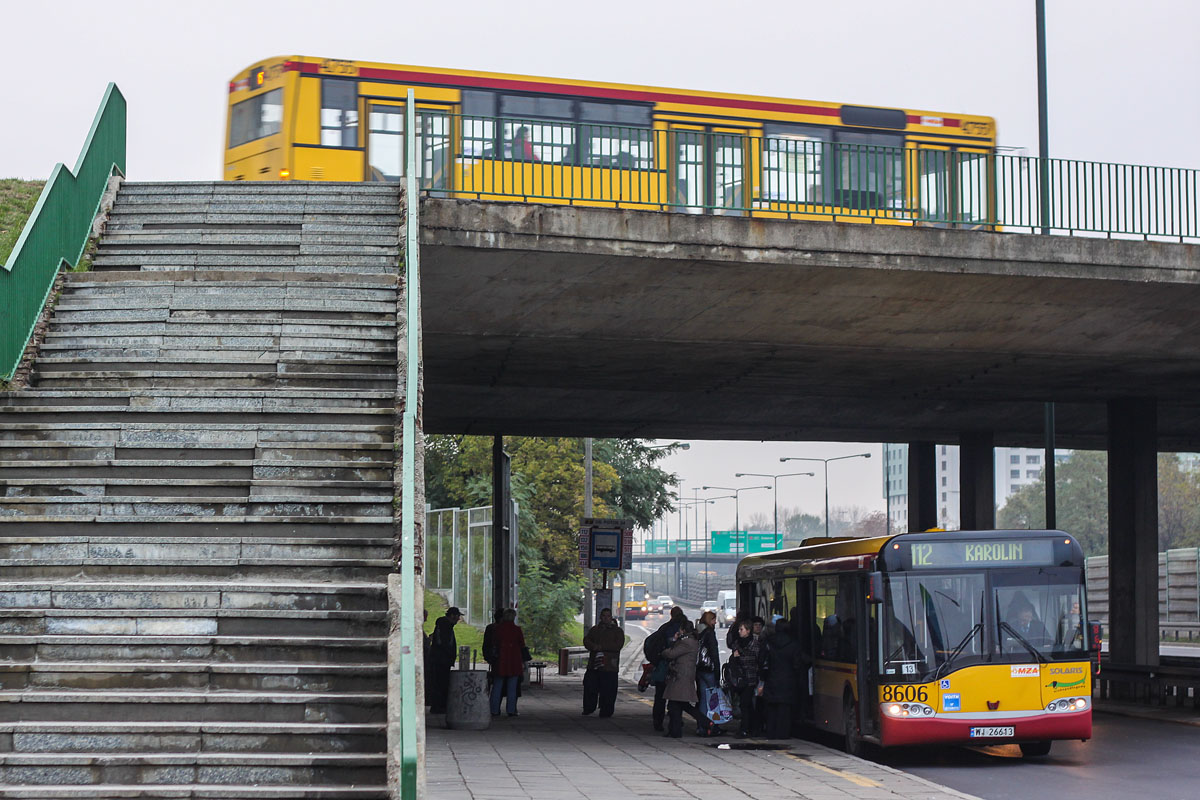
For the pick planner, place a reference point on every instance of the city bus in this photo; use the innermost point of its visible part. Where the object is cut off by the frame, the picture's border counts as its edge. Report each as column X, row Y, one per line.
column 488, row 135
column 636, row 601
column 974, row 637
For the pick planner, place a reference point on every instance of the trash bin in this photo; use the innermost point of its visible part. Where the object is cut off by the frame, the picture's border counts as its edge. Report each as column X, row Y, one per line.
column 468, row 704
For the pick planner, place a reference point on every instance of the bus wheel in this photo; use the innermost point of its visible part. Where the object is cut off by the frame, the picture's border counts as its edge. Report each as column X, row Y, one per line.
column 853, row 744
column 1032, row 749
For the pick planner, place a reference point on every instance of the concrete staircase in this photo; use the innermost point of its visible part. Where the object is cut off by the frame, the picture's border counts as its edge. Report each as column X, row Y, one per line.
column 196, row 504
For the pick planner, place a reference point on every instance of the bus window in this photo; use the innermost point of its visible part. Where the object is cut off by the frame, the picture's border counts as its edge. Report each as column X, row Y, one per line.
column 255, row 118
column 615, row 135
column 793, row 163
column 385, row 144
column 339, row 113
column 1042, row 609
column 928, row 618
column 839, row 628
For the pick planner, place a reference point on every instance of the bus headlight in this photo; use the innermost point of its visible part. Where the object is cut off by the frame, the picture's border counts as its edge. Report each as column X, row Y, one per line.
column 1069, row 704
column 902, row 710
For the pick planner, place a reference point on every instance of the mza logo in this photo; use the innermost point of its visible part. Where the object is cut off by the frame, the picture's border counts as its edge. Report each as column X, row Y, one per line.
column 1026, row 671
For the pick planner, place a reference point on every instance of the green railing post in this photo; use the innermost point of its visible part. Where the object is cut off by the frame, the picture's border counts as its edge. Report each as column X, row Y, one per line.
column 57, row 230
column 412, row 323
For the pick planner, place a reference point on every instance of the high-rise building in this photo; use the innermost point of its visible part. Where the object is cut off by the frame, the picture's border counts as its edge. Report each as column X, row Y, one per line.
column 1015, row 467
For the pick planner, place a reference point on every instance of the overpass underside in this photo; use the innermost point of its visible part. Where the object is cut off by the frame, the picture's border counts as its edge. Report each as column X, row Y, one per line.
column 557, row 320
column 565, row 320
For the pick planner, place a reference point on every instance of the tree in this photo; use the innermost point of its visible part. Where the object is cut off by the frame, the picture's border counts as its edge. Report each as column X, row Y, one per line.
column 1081, row 486
column 798, row 526
column 547, row 482
column 873, row 524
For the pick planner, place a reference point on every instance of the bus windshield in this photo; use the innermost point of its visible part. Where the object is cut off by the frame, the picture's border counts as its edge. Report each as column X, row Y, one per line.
column 933, row 623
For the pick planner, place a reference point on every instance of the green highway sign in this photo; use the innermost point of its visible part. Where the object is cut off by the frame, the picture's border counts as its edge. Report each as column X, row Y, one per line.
column 743, row 542
column 666, row 546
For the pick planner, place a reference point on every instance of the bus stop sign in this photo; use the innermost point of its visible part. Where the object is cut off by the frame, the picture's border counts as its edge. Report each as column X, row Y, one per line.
column 606, row 543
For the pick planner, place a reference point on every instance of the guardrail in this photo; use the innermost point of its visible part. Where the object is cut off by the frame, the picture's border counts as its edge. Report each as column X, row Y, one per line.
column 57, row 230
column 796, row 177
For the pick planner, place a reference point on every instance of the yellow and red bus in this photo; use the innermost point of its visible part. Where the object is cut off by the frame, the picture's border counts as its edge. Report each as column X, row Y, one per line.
column 516, row 137
column 976, row 637
column 636, row 601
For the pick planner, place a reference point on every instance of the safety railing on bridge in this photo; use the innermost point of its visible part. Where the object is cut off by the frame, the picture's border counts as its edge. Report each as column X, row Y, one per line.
column 57, row 231
column 1178, row 592
column 797, row 177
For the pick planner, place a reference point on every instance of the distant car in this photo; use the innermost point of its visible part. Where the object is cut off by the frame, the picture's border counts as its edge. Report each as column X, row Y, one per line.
column 710, row 605
column 654, row 606
column 665, row 602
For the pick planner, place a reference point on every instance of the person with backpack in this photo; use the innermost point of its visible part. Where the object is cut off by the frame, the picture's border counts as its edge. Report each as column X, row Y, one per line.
column 604, row 642
column 708, row 668
column 785, row 668
column 680, row 688
column 653, row 649
column 745, row 663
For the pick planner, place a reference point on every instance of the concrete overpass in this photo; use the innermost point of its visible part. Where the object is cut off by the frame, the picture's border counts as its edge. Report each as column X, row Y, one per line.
column 544, row 320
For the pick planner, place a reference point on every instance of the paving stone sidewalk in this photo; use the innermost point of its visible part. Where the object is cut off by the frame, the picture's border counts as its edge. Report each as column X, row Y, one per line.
column 552, row 752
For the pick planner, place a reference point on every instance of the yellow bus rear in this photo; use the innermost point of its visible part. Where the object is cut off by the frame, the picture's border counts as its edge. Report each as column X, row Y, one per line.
column 636, row 601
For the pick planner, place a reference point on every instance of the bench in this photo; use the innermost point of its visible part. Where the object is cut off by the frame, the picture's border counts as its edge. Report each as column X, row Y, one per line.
column 539, row 673
column 571, row 658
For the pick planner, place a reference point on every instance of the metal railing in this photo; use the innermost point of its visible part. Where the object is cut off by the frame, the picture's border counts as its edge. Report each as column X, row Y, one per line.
column 410, row 649
column 57, row 230
column 753, row 174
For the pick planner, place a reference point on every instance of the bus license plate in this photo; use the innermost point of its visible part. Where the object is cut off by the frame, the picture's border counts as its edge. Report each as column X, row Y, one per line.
column 991, row 732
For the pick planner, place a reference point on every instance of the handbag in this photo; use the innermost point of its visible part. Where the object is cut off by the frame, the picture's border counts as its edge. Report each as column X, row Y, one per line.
column 716, row 706
column 659, row 675
column 526, row 655
column 735, row 677
column 704, row 660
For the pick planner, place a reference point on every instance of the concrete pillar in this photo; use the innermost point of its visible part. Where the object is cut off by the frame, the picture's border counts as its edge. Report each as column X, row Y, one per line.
column 1133, row 531
column 502, row 578
column 922, row 486
column 976, row 481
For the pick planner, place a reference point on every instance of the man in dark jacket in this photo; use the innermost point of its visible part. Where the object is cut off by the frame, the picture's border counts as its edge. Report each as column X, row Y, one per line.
column 491, row 650
column 443, row 649
column 785, row 669
column 653, row 648
column 604, row 642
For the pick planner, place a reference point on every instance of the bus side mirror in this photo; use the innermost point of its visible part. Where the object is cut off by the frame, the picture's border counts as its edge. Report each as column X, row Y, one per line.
column 1095, row 636
column 875, row 587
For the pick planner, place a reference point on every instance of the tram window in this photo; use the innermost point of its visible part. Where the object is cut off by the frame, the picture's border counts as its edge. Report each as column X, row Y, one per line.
column 619, row 147
column 550, row 143
column 973, row 186
column 257, row 117
column 478, row 104
column 794, row 162
column 624, row 114
column 870, row 171
column 339, row 113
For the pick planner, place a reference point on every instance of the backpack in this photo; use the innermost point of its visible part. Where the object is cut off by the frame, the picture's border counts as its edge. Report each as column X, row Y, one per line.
column 654, row 645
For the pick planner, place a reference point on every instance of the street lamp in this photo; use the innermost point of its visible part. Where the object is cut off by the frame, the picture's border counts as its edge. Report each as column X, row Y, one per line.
column 737, row 520
column 775, row 481
column 707, row 535
column 826, row 461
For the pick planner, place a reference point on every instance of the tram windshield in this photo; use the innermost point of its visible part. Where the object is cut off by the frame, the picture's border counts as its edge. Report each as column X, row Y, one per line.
column 933, row 623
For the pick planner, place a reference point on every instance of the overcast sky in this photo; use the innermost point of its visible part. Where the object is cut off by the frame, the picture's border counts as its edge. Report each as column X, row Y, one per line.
column 1122, row 88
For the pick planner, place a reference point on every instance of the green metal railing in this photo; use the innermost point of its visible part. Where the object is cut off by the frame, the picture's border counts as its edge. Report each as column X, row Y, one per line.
column 57, row 231
column 410, row 649
column 750, row 174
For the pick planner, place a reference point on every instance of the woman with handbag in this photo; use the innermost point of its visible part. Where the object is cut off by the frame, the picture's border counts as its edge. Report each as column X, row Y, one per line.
column 510, row 662
column 681, row 678
column 745, row 662
column 708, row 667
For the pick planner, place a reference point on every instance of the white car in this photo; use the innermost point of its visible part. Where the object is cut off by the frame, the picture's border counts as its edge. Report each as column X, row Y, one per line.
column 711, row 605
column 665, row 602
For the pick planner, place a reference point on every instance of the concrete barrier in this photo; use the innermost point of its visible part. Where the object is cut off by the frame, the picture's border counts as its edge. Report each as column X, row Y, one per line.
column 467, row 706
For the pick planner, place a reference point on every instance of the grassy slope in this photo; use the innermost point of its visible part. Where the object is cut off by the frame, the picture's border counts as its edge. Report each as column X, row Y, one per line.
column 17, row 199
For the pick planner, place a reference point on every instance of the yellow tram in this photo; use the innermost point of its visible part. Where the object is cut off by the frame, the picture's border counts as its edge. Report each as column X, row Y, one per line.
column 514, row 137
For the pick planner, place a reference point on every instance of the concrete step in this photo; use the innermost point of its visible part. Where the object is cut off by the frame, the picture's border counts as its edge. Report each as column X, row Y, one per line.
column 255, row 768
column 226, row 594
column 190, row 706
column 194, row 675
column 192, row 792
column 217, row 326
column 265, row 238
column 68, row 548
column 250, row 400
column 191, row 737
column 209, row 649
column 198, row 469
column 16, row 504
column 96, row 280
column 248, row 528
column 155, row 379
column 213, row 362
column 207, row 413
column 249, row 568
column 191, row 622
column 154, row 432
column 187, row 490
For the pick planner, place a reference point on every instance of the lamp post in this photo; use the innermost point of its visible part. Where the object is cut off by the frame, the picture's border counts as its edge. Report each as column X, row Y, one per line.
column 826, row 461
column 775, row 482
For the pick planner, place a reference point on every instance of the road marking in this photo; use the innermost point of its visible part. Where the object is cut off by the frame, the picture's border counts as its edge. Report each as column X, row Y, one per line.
column 857, row 780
